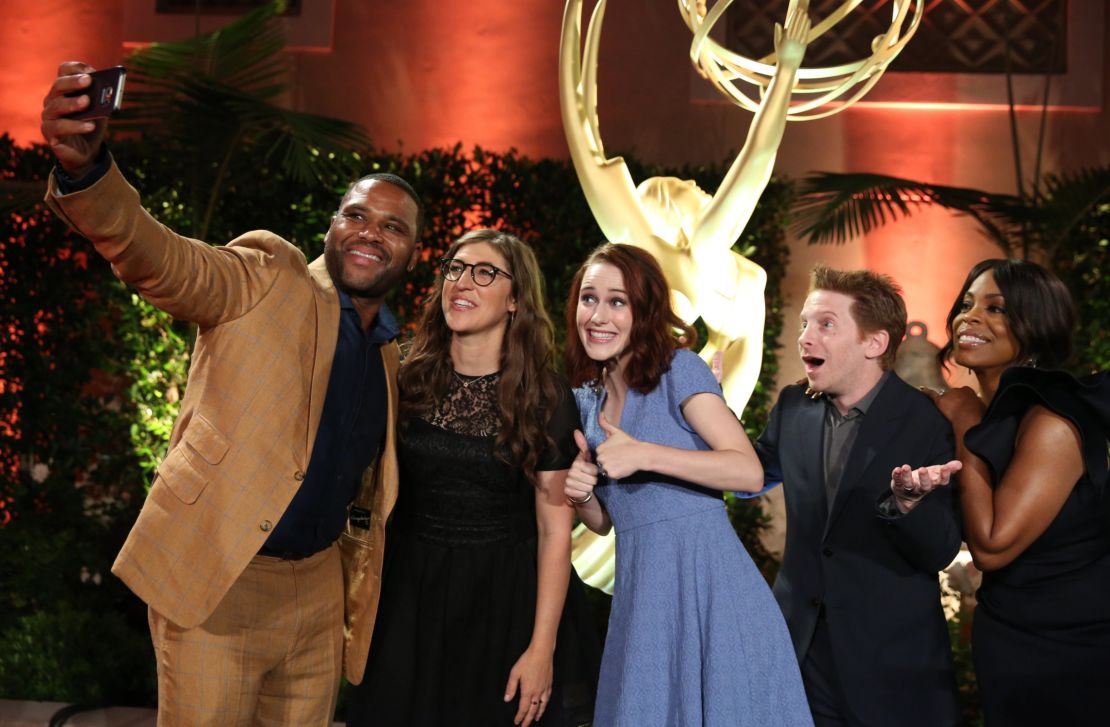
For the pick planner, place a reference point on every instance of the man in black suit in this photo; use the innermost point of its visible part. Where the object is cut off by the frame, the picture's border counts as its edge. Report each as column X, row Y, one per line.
column 858, row 583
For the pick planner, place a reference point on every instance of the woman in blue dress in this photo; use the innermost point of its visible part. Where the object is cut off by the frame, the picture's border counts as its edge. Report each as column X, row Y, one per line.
column 695, row 636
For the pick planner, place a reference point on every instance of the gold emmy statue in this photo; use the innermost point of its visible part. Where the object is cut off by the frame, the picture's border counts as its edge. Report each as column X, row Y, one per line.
column 690, row 232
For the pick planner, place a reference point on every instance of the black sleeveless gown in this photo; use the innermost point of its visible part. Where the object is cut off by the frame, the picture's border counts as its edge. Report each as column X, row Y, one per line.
column 459, row 583
column 1041, row 630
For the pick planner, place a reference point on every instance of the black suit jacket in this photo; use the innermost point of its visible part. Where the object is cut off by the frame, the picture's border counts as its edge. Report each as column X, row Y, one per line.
column 876, row 576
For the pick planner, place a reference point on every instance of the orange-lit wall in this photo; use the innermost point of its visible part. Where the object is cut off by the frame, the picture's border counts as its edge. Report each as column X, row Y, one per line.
column 37, row 35
column 424, row 73
column 431, row 73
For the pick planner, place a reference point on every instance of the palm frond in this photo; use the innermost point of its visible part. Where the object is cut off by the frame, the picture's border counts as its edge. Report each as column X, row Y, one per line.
column 308, row 146
column 1068, row 199
column 836, row 207
column 210, row 98
column 235, row 54
column 176, row 83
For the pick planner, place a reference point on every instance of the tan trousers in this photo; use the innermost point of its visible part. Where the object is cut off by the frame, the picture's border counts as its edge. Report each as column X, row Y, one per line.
column 270, row 654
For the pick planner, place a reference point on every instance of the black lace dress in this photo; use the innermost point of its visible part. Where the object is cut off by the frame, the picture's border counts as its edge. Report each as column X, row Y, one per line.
column 1041, row 634
column 459, row 585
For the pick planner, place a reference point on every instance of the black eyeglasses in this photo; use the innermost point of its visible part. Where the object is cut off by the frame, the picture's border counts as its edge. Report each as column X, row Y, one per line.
column 482, row 274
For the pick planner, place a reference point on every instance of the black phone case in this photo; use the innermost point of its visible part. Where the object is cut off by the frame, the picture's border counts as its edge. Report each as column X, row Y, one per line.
column 105, row 94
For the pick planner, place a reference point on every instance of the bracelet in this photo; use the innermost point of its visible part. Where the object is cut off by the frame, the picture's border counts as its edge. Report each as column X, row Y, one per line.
column 589, row 496
column 909, row 498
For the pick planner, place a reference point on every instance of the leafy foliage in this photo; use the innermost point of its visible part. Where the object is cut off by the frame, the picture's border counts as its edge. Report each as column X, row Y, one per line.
column 69, row 484
column 836, row 207
column 1082, row 260
column 959, row 635
column 75, row 652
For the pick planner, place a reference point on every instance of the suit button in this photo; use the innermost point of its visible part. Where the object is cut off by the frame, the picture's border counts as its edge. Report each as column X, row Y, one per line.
column 827, row 553
column 298, row 475
column 265, row 526
column 816, row 601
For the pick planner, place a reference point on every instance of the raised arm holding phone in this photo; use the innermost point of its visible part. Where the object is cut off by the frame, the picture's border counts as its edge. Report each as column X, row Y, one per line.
column 260, row 512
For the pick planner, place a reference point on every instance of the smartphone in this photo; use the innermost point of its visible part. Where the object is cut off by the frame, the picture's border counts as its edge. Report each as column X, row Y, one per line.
column 105, row 93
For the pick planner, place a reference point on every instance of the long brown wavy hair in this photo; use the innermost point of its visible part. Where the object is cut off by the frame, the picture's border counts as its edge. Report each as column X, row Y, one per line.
column 528, row 390
column 656, row 329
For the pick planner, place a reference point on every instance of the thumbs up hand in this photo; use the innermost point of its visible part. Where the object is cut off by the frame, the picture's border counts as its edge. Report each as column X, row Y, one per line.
column 582, row 475
column 620, row 454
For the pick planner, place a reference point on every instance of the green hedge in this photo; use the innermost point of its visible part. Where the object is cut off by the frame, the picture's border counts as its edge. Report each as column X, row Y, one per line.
column 90, row 377
column 1083, row 261
column 71, row 481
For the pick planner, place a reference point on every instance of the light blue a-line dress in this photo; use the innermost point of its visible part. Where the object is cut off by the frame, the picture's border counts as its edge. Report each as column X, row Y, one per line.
column 695, row 636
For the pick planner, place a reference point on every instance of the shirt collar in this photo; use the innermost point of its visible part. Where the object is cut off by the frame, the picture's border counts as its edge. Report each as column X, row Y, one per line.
column 384, row 327
column 868, row 399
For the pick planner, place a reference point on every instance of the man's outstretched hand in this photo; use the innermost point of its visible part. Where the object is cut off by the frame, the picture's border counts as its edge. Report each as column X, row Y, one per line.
column 911, row 485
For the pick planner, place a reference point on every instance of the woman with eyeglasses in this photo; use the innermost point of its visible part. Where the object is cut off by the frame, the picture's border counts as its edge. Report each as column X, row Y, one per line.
column 481, row 620
column 695, row 636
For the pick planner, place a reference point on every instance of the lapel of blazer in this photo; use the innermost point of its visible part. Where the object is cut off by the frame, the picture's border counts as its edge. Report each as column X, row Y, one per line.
column 386, row 471
column 806, row 433
column 327, row 335
column 878, row 428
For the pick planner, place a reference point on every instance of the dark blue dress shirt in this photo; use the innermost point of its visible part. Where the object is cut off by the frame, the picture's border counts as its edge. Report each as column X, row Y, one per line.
column 351, row 429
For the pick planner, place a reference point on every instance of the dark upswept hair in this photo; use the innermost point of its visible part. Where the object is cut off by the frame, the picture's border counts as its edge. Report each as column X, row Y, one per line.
column 1039, row 311
column 656, row 329
column 400, row 184
column 877, row 303
column 528, row 391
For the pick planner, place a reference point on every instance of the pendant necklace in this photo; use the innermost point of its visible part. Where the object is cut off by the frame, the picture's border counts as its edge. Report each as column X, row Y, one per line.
column 466, row 382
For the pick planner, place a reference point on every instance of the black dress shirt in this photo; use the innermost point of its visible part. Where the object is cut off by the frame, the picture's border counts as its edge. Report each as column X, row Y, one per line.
column 841, row 431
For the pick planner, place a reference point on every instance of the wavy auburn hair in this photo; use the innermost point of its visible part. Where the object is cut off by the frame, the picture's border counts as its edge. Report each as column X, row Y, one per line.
column 528, row 390
column 656, row 330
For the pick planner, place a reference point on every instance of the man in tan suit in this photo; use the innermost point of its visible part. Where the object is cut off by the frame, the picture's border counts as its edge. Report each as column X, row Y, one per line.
column 259, row 547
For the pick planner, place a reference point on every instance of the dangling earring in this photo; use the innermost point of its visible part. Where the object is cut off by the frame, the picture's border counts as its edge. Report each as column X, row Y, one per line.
column 512, row 317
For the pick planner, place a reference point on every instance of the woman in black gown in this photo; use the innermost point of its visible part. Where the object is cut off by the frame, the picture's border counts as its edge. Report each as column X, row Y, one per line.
column 477, row 587
column 1034, row 501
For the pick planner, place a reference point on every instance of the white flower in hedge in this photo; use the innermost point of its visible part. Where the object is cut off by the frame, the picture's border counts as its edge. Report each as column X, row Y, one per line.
column 86, row 576
column 39, row 472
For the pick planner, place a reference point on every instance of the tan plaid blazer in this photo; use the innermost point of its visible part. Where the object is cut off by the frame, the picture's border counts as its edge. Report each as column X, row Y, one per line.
column 267, row 330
